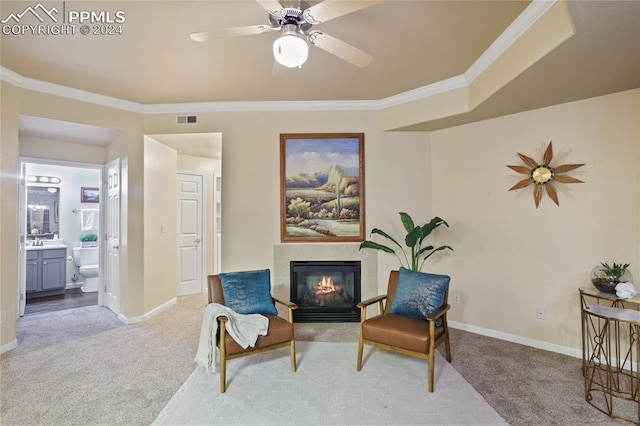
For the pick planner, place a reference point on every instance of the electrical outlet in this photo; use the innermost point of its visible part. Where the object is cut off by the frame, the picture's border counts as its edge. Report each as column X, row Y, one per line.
column 3, row 317
column 541, row 313
column 456, row 297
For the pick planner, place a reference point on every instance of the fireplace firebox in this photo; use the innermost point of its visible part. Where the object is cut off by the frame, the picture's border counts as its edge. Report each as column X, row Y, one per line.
column 325, row 291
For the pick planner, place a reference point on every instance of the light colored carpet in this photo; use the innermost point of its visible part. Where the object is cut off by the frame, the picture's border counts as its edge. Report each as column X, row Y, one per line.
column 327, row 390
column 84, row 367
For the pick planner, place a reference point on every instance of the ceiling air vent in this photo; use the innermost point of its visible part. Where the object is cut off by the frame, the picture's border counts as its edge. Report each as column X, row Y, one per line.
column 187, row 119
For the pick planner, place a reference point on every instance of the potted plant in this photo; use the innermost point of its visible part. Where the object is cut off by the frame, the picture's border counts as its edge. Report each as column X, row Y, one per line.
column 89, row 240
column 606, row 277
column 414, row 240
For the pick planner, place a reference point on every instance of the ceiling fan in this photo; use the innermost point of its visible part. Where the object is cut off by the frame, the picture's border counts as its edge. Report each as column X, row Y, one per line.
column 295, row 21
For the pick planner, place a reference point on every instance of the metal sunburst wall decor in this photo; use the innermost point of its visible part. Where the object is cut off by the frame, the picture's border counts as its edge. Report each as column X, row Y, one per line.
column 543, row 175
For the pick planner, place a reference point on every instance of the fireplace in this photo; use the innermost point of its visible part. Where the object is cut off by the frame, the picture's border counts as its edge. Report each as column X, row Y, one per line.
column 325, row 291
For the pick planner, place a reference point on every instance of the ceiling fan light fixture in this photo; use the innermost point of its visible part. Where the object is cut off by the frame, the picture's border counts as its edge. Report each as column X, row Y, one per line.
column 290, row 50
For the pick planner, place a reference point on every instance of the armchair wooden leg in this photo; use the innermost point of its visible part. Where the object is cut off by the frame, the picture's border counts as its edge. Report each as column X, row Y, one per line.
column 447, row 347
column 447, row 343
column 431, row 369
column 293, row 356
column 360, row 347
column 223, row 372
column 222, row 348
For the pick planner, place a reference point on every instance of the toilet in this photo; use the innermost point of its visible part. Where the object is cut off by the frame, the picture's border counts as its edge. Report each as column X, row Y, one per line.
column 87, row 261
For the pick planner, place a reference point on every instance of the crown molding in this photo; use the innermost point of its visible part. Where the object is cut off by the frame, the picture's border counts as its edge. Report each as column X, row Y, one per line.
column 266, row 106
column 67, row 92
column 533, row 12
column 424, row 92
column 530, row 15
column 11, row 77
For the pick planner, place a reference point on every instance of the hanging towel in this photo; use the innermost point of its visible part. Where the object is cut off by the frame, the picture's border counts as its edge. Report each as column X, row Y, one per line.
column 89, row 219
column 245, row 329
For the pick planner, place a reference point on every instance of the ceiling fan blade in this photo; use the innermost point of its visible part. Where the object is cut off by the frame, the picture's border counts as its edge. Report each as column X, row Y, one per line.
column 232, row 32
column 340, row 49
column 272, row 6
column 330, row 9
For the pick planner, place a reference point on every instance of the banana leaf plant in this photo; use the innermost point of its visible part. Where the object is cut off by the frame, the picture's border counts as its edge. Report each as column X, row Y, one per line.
column 413, row 240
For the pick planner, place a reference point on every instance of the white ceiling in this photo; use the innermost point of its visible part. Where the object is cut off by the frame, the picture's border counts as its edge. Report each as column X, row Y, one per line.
column 414, row 44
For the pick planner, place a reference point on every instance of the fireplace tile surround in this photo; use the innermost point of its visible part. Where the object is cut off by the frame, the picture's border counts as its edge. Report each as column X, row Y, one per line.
column 283, row 254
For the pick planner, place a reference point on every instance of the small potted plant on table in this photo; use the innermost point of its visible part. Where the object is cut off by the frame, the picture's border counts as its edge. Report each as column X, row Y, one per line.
column 606, row 277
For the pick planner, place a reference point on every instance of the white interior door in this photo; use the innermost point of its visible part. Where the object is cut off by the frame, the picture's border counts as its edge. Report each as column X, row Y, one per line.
column 22, row 240
column 190, row 235
column 111, row 277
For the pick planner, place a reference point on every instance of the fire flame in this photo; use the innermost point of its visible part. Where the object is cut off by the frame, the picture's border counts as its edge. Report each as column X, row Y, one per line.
column 326, row 286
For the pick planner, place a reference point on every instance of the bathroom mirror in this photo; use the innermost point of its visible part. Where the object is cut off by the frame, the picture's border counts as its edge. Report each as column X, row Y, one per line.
column 42, row 211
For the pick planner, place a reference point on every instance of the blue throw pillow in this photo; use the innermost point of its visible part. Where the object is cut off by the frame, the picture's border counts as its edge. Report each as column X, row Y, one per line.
column 419, row 294
column 248, row 292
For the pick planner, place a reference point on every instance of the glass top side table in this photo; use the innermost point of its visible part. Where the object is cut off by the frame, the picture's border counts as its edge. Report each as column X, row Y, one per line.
column 610, row 353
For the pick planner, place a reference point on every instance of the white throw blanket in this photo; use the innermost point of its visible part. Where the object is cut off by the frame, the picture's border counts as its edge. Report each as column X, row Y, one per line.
column 245, row 329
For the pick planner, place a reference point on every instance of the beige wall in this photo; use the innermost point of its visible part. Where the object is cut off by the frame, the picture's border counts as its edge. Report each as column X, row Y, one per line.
column 396, row 174
column 160, row 223
column 9, row 111
column 511, row 257
column 51, row 149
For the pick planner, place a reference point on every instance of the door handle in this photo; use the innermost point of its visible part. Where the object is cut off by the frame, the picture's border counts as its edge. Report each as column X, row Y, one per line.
column 197, row 240
column 116, row 247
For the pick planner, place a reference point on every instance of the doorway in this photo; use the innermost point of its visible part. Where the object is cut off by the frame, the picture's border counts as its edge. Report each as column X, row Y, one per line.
column 51, row 211
column 74, row 153
column 198, row 154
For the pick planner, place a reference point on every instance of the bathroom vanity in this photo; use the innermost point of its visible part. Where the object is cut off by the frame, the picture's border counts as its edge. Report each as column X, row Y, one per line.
column 46, row 270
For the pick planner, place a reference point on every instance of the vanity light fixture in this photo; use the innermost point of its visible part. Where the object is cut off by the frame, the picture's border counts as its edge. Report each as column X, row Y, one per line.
column 43, row 179
column 37, row 206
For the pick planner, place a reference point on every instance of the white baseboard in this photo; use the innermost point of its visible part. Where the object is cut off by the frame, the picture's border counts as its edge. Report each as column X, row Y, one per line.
column 152, row 313
column 77, row 284
column 564, row 350
column 9, row 346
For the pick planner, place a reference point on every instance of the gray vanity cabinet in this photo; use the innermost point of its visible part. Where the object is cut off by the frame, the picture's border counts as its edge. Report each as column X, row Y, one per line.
column 46, row 272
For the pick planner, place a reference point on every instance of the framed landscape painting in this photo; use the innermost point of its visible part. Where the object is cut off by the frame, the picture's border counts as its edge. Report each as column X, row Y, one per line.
column 89, row 195
column 322, row 187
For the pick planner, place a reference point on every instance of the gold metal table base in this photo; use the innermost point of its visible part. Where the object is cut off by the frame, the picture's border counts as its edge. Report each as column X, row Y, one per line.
column 611, row 351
